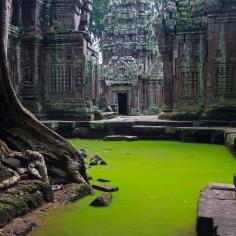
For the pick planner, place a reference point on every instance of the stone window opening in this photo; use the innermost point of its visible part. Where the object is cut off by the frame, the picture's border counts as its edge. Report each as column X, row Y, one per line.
column 61, row 78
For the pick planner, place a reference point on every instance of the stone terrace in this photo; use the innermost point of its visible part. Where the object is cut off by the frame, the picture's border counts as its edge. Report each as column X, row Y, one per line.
column 150, row 127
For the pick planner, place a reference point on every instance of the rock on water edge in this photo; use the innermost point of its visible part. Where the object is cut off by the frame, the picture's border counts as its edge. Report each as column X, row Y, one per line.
column 105, row 187
column 102, row 200
column 103, row 180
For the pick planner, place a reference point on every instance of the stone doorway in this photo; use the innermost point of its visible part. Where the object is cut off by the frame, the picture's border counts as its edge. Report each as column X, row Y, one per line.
column 122, row 103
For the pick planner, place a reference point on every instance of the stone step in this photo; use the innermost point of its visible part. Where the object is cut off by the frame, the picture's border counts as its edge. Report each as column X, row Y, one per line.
column 165, row 123
column 104, row 115
column 196, row 134
column 120, row 138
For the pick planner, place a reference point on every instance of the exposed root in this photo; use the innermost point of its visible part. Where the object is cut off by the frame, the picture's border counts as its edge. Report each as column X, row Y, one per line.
column 10, row 181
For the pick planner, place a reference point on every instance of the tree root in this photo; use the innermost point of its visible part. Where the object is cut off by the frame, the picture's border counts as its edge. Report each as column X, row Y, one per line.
column 10, row 181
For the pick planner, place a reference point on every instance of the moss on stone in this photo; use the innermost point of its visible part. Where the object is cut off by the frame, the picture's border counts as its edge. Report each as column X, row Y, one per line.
column 181, row 116
column 47, row 191
column 96, row 125
column 18, row 203
column 7, row 213
column 30, row 201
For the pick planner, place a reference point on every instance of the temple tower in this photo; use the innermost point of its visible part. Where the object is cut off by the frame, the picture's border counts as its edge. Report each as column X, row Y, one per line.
column 132, row 73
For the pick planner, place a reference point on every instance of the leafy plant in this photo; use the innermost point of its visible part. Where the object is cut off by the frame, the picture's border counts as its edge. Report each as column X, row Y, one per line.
column 100, row 8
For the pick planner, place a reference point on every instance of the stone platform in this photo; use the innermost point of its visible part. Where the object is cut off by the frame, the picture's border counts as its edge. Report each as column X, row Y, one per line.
column 120, row 138
column 150, row 128
column 216, row 214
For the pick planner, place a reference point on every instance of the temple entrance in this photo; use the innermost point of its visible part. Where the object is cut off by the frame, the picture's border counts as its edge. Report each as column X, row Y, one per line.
column 122, row 103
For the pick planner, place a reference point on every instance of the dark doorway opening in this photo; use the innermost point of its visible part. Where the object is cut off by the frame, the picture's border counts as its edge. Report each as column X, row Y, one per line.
column 123, row 103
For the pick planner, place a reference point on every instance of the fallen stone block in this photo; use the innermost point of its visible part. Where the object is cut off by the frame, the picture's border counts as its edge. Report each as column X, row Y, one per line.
column 103, row 180
column 96, row 160
column 105, row 187
column 102, row 200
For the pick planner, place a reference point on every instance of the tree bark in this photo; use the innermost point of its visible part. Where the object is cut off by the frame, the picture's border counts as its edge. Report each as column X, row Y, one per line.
column 20, row 129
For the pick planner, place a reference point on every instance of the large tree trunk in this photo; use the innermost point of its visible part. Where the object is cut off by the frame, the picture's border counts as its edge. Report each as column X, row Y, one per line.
column 20, row 130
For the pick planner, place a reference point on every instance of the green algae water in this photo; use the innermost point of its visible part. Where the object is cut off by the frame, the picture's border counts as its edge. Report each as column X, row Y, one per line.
column 159, row 185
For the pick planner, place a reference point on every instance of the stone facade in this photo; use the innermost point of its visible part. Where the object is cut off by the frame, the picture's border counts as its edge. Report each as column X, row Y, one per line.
column 199, row 56
column 49, row 53
column 132, row 69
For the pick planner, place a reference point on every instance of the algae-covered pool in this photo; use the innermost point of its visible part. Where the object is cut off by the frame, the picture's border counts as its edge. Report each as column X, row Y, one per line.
column 159, row 185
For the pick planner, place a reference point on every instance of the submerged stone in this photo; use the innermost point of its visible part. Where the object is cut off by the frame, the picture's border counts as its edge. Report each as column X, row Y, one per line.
column 103, row 180
column 89, row 177
column 105, row 187
column 97, row 160
column 102, row 200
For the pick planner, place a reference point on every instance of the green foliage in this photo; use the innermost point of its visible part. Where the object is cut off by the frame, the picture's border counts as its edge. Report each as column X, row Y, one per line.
column 152, row 110
column 17, row 202
column 99, row 11
column 185, row 116
column 31, row 201
column 221, row 113
column 190, row 115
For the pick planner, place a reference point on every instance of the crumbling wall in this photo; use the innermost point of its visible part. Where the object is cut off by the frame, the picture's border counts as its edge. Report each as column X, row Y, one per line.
column 198, row 55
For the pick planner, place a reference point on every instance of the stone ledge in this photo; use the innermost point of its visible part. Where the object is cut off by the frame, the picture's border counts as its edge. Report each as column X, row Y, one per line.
column 152, row 129
column 120, row 138
column 217, row 211
column 189, row 134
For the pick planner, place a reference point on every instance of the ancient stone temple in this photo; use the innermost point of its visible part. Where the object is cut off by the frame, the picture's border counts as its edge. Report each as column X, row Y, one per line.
column 52, row 65
column 132, row 72
column 199, row 58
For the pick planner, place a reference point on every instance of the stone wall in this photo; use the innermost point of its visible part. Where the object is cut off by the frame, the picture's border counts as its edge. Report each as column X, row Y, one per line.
column 48, row 57
column 196, row 42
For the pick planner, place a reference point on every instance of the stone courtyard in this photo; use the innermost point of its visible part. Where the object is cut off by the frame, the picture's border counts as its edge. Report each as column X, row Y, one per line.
column 185, row 42
column 160, row 70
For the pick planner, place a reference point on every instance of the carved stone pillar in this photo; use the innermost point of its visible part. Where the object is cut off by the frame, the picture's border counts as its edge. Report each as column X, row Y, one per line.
column 66, row 49
column 30, row 89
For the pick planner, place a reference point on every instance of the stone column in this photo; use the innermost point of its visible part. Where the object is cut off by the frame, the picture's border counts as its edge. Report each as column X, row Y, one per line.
column 165, row 40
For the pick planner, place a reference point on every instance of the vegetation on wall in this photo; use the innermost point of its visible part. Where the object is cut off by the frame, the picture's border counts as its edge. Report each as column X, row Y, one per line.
column 100, row 8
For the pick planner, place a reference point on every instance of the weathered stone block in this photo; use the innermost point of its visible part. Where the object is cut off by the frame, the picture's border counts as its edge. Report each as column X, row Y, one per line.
column 102, row 200
column 105, row 187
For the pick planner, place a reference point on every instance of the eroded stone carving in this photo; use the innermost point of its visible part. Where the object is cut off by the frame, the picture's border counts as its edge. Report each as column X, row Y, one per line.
column 49, row 48
column 130, row 53
column 199, row 58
